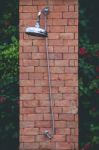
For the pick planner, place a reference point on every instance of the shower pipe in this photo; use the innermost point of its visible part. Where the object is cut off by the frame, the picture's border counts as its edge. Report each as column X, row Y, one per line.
column 47, row 133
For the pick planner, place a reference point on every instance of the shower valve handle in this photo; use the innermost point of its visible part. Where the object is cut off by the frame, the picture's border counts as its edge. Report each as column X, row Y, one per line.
column 46, row 11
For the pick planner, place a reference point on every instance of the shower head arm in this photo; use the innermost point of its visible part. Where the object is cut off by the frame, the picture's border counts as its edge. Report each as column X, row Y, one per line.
column 45, row 12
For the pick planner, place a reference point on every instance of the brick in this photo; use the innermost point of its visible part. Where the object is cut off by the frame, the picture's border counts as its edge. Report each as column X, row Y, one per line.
column 60, row 49
column 39, row 3
column 29, row 49
column 27, row 69
column 66, row 35
column 76, row 7
column 71, row 124
column 32, row 117
column 44, row 103
column 24, row 76
column 48, row 116
column 41, row 138
column 21, row 146
column 28, row 9
column 42, row 110
column 27, row 138
column 58, row 83
column 71, row 7
column 25, row 56
column 39, row 42
column 27, row 111
column 70, row 14
column 76, row 36
column 55, row 56
column 57, row 109
column 76, row 22
column 53, row 36
column 61, row 63
column 25, row 42
column 26, row 23
column 31, row 146
column 43, row 63
column 60, row 22
column 31, row 131
column 41, row 83
column 60, row 138
column 57, row 96
column 57, row 69
column 27, row 96
column 60, row 124
column 34, row 90
column 63, row 146
column 41, row 96
column 55, row 15
column 68, row 117
column 53, row 77
column 71, row 29
column 30, row 103
column 47, row 145
column 64, row 131
column 25, row 16
column 35, row 76
column 55, row 42
column 25, row 2
column 62, row 103
column 20, row 9
column 27, row 124
column 71, row 56
column 40, row 69
column 60, row 8
column 67, row 90
column 56, row 29
column 46, row 90
column 70, row 42
column 28, row 62
column 38, row 56
column 41, row 124
column 71, row 22
column 27, row 82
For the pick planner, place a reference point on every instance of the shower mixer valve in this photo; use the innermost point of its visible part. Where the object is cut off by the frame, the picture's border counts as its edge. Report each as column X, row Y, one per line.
column 46, row 11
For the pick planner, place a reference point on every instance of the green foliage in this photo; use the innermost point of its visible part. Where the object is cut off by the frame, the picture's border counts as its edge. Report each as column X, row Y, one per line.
column 8, row 20
column 9, row 91
column 88, row 104
column 9, row 117
column 9, row 62
column 9, row 95
column 89, row 23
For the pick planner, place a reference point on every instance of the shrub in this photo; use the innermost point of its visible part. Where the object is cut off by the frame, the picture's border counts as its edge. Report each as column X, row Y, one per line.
column 88, row 98
column 9, row 95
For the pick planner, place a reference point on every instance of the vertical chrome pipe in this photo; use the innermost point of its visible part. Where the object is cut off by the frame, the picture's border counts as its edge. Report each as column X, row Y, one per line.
column 47, row 133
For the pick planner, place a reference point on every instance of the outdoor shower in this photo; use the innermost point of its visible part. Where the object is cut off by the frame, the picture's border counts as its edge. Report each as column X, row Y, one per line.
column 39, row 32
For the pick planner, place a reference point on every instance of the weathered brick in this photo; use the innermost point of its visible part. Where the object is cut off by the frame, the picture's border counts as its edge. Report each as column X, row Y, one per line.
column 25, row 16
column 56, row 29
column 25, row 2
column 27, row 138
column 66, row 35
column 35, row 115
column 32, row 117
column 42, row 110
column 63, row 146
column 41, row 124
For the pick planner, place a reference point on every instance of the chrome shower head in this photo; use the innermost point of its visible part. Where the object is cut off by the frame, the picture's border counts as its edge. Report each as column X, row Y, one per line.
column 37, row 31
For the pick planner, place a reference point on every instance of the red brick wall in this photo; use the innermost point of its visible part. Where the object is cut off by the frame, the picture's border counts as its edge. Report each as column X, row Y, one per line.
column 63, row 50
